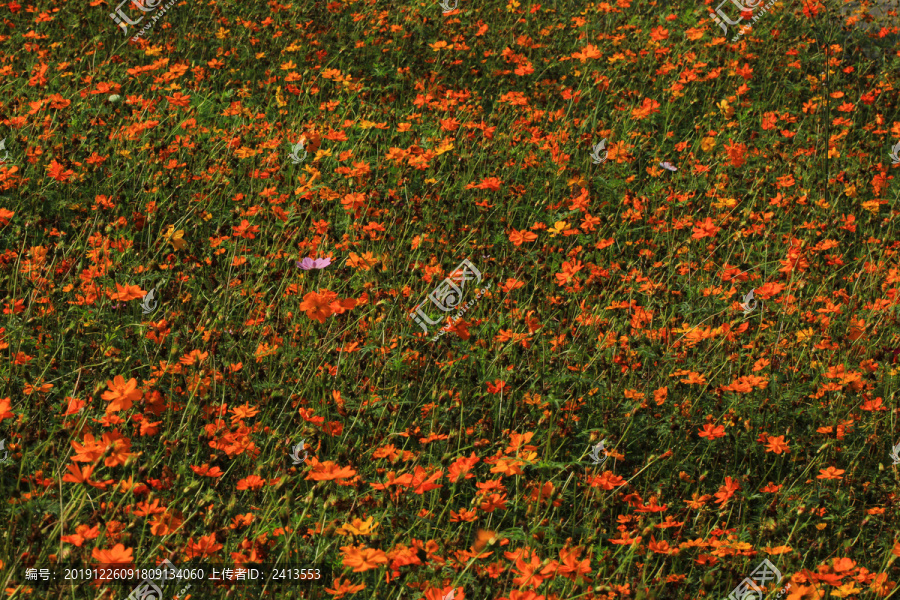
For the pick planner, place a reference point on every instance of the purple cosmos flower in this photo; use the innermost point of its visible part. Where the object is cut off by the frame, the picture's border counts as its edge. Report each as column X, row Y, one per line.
column 313, row 263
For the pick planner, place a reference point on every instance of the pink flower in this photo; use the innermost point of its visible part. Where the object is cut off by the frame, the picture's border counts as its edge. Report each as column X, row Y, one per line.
column 313, row 263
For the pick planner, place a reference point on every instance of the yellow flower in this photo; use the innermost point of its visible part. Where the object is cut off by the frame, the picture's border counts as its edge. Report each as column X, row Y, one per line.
column 443, row 148
column 175, row 237
column 707, row 144
column 845, row 590
column 578, row 181
column 558, row 227
column 530, row 457
column 358, row 527
column 727, row 109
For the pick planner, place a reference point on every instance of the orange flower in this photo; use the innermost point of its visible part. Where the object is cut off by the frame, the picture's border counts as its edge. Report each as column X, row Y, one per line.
column 118, row 554
column 422, row 482
column 245, row 230
column 704, row 229
column 589, row 51
column 4, row 409
column 830, row 473
column 342, row 588
column 82, row 533
column 328, row 471
column 353, row 202
column 777, row 445
column 661, row 547
column 363, row 559
column 646, row 109
column 120, row 449
column 881, row 586
column 843, row 564
column 205, row 471
column 59, row 172
column 311, row 143
column 74, row 406
column 317, row 306
column 445, row 592
column 253, row 482
column 659, row 34
column 206, row 546
column 736, row 153
column 488, row 183
column 712, row 432
column 482, row 539
column 767, row 290
column 80, row 475
column 727, row 491
column 165, row 524
column 526, row 595
column 803, row 592
column 694, row 378
column 126, row 293
column 572, row 567
column 607, row 481
column 245, row 411
column 121, row 394
column 364, row 262
column 339, row 307
column 460, row 467
column 507, row 467
column 520, row 237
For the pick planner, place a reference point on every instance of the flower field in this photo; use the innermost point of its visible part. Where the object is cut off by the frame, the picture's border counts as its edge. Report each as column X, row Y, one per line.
column 483, row 300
